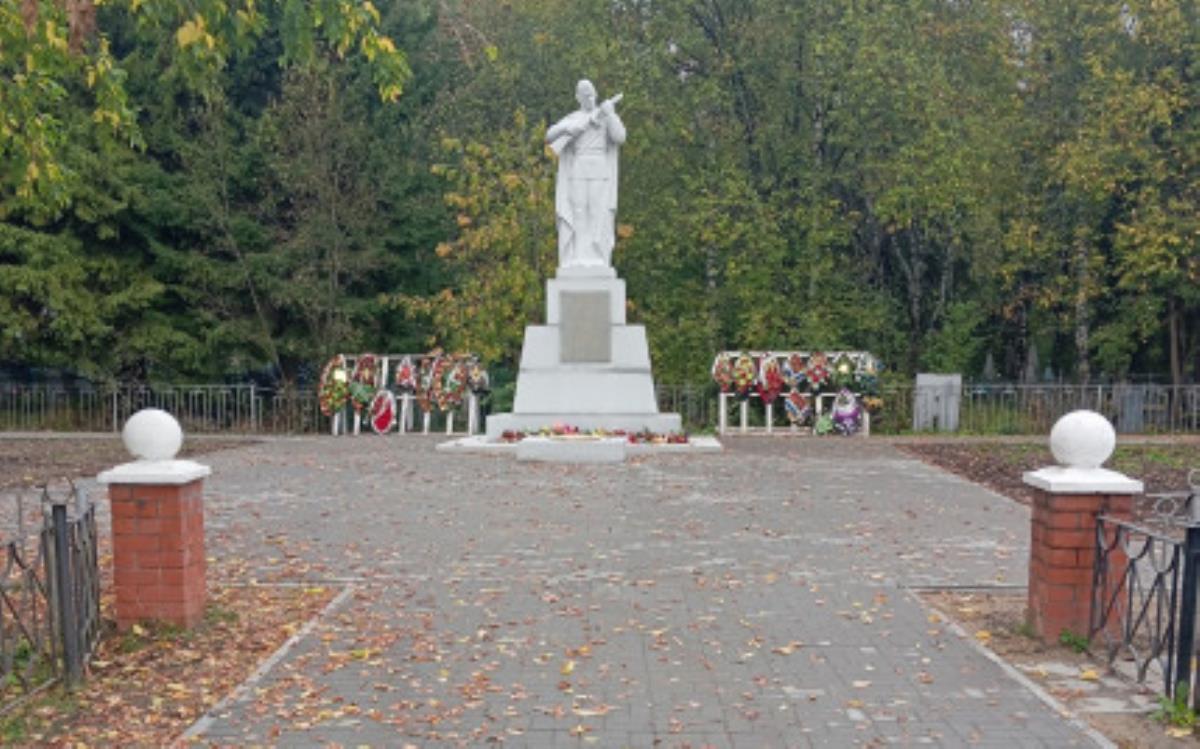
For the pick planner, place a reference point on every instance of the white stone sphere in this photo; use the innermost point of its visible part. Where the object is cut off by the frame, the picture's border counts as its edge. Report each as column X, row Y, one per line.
column 152, row 434
column 1082, row 439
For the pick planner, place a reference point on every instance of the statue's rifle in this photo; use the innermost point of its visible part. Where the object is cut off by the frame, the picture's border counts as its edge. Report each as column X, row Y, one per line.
column 562, row 142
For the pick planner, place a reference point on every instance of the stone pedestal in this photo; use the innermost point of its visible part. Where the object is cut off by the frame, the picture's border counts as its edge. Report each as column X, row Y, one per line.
column 1062, row 555
column 585, row 367
column 159, row 566
column 1062, row 532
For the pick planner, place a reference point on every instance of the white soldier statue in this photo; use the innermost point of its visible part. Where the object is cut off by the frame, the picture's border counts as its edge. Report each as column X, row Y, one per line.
column 585, row 196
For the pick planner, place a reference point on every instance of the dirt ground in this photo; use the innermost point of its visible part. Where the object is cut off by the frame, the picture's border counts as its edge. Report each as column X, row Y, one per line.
column 1162, row 465
column 33, row 460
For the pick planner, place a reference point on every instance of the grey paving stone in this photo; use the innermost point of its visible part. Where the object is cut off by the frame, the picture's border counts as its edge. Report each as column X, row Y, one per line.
column 749, row 598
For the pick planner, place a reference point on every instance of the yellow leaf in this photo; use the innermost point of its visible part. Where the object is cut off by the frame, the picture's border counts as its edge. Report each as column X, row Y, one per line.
column 139, row 630
column 190, row 32
column 983, row 635
column 567, row 668
column 1089, row 674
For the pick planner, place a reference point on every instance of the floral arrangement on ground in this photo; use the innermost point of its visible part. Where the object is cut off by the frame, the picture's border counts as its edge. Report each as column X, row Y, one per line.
column 565, row 431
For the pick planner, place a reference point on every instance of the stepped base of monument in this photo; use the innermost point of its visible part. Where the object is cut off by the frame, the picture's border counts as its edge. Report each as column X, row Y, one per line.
column 658, row 423
column 576, row 449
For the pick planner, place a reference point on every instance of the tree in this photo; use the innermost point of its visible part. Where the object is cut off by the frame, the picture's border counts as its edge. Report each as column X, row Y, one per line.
column 503, row 198
column 57, row 56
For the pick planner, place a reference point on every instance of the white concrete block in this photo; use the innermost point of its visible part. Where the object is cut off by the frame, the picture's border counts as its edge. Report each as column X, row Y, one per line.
column 581, row 450
column 583, row 389
column 630, row 349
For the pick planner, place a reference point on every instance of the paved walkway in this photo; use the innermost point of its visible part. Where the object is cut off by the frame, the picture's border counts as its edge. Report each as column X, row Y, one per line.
column 754, row 598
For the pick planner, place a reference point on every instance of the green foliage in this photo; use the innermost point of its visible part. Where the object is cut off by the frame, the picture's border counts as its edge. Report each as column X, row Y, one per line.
column 55, row 57
column 208, row 189
column 957, row 346
column 502, row 196
column 1176, row 711
column 1073, row 640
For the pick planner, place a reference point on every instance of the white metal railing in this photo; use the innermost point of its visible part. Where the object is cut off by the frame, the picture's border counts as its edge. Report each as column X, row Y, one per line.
column 818, row 400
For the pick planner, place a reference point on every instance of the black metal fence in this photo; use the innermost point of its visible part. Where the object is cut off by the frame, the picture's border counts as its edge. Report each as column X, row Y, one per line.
column 49, row 592
column 1144, row 592
column 985, row 408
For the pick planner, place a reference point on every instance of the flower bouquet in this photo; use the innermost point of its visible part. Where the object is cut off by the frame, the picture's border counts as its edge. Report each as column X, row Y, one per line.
column 843, row 372
column 406, row 376
column 722, row 372
column 477, row 377
column 333, row 390
column 383, row 412
column 817, row 373
column 453, row 377
column 745, row 374
column 362, row 381
column 847, row 413
column 424, row 392
column 866, row 377
column 793, row 371
column 798, row 408
column 770, row 379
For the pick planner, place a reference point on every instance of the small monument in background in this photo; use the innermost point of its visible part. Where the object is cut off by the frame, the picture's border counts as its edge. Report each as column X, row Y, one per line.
column 585, row 367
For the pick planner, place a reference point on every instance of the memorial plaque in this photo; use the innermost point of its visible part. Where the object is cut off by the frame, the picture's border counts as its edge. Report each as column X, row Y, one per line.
column 585, row 330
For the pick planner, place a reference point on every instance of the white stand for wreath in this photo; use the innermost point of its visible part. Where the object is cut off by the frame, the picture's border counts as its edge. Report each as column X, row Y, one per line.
column 744, row 414
column 405, row 413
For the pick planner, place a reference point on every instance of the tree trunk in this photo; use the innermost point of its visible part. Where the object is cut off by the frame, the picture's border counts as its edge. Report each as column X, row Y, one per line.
column 1174, row 339
column 1082, row 312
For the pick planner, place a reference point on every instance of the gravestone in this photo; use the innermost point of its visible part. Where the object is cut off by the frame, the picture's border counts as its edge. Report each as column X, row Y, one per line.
column 936, row 402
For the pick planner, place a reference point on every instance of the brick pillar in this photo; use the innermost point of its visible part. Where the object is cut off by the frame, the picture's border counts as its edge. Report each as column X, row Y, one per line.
column 1062, row 526
column 158, row 552
column 1062, row 553
column 157, row 525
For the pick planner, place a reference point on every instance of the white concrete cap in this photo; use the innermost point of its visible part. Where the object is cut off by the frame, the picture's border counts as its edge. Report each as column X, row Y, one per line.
column 157, row 472
column 154, row 437
column 1081, row 442
column 1071, row 480
column 1082, row 439
column 152, row 434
